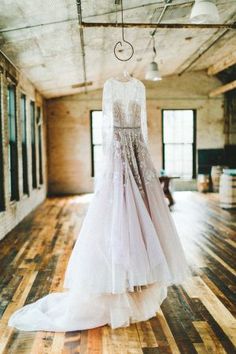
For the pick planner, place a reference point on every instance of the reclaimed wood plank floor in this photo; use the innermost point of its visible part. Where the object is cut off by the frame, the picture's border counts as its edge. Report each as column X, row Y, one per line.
column 196, row 317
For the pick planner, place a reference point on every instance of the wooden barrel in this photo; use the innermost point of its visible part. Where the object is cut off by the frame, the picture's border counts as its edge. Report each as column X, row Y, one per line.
column 216, row 172
column 203, row 183
column 228, row 189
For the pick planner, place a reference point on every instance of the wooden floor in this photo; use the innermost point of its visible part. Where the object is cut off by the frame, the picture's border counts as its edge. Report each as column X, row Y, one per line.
column 197, row 317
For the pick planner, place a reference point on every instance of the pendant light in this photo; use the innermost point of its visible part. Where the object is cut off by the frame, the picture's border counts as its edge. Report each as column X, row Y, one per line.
column 153, row 72
column 204, row 11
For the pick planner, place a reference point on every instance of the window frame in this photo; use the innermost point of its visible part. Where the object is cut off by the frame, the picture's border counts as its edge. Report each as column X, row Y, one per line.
column 194, row 157
column 33, row 146
column 13, row 168
column 40, row 143
column 91, row 141
column 24, row 145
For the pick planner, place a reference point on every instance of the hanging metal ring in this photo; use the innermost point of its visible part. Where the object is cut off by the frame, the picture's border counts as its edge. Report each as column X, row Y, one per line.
column 123, row 37
column 120, row 43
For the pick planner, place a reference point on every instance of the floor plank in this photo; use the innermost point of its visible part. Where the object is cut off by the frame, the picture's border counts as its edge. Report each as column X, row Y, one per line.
column 196, row 317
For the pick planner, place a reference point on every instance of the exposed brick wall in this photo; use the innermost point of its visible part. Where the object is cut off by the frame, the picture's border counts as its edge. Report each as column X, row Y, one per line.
column 15, row 211
column 69, row 153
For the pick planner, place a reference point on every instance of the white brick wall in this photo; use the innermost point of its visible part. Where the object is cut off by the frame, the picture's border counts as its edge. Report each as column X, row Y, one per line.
column 15, row 211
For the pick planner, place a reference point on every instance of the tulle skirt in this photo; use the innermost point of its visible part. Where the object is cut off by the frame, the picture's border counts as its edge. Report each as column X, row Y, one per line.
column 126, row 255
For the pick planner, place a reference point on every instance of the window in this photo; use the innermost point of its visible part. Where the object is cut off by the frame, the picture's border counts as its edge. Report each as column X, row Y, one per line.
column 39, row 123
column 179, row 150
column 2, row 200
column 33, row 144
column 96, row 140
column 24, row 144
column 12, row 143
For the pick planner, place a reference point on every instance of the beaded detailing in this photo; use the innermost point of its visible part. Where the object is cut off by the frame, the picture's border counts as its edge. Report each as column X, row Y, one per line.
column 130, row 148
column 130, row 115
column 118, row 127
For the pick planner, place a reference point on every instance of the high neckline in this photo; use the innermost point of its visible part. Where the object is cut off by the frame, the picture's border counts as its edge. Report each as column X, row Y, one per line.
column 121, row 81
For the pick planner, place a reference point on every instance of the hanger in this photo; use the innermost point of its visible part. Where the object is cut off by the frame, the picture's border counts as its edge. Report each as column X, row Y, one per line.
column 124, row 76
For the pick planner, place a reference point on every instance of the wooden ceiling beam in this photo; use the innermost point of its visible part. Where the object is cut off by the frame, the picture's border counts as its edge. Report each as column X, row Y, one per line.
column 222, row 89
column 222, row 64
column 158, row 25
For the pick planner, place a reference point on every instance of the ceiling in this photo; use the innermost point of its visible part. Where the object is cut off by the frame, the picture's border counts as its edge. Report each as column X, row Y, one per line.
column 42, row 38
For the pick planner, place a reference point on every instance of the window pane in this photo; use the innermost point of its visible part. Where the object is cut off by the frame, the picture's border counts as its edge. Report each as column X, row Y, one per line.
column 178, row 139
column 33, row 146
column 97, row 136
column 96, row 142
column 97, row 158
column 178, row 126
column 24, row 144
column 12, row 143
column 178, row 159
column 12, row 114
column 97, row 127
column 40, row 153
column 23, row 118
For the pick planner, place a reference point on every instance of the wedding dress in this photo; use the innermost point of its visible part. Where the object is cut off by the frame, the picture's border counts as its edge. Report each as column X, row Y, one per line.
column 128, row 251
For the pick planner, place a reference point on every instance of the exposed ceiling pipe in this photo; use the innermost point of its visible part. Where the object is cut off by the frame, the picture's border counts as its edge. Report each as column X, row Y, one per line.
column 157, row 6
column 81, row 32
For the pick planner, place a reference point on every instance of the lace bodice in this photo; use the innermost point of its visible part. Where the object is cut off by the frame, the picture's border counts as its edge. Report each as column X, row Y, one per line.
column 124, row 106
column 130, row 118
column 125, row 132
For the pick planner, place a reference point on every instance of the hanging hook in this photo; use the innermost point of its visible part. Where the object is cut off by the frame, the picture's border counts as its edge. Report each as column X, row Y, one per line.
column 123, row 38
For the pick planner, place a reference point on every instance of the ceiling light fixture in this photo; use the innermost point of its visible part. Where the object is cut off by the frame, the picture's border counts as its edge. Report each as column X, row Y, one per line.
column 153, row 72
column 204, row 11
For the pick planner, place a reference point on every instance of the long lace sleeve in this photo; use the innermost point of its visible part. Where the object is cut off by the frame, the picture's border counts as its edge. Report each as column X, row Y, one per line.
column 107, row 130
column 107, row 117
column 144, row 114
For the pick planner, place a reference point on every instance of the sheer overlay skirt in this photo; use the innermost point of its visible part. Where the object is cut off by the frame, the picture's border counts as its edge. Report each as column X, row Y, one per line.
column 127, row 253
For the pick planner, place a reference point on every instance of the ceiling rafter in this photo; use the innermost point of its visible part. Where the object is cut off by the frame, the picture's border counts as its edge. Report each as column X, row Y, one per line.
column 206, row 46
column 222, row 89
column 223, row 64
column 160, row 25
